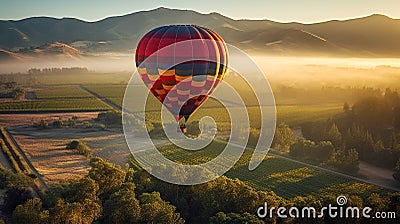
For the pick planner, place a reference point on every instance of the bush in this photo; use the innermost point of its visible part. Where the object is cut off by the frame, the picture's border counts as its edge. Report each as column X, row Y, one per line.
column 41, row 124
column 110, row 118
column 82, row 148
column 86, row 124
column 58, row 124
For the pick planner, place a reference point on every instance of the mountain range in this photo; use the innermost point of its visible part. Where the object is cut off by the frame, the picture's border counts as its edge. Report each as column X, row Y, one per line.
column 371, row 36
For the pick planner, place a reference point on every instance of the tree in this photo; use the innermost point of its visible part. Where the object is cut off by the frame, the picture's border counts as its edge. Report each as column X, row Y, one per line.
column 376, row 202
column 302, row 148
column 156, row 210
column 344, row 159
column 43, row 124
column 10, row 85
column 396, row 175
column 391, row 98
column 122, row 206
column 75, row 202
column 361, row 140
column 394, row 144
column 378, row 146
column 346, row 107
column 323, row 151
column 237, row 197
column 396, row 118
column 10, row 180
column 110, row 118
column 253, row 136
column 75, row 212
column 334, row 135
column 58, row 124
column 74, row 191
column 393, row 200
column 284, row 137
column 305, row 201
column 369, row 109
column 79, row 191
column 30, row 212
column 108, row 176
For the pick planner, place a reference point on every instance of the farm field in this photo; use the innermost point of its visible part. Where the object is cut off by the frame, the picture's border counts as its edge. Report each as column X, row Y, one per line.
column 52, row 160
column 88, row 78
column 285, row 178
column 113, row 92
column 56, row 98
column 10, row 120
column 59, row 92
column 293, row 114
column 46, row 150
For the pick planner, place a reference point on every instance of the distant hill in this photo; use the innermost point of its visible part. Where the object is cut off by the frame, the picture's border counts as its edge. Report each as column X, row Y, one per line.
column 51, row 51
column 372, row 36
column 8, row 55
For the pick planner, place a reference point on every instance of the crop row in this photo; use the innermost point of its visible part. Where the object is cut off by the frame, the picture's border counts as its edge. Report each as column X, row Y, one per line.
column 56, row 92
column 285, row 178
column 56, row 105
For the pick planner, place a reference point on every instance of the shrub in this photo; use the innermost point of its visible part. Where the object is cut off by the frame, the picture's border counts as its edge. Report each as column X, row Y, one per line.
column 110, row 118
column 41, row 124
column 82, row 148
column 58, row 124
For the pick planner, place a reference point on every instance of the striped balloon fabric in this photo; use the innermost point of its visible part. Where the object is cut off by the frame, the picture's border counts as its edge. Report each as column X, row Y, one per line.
column 185, row 62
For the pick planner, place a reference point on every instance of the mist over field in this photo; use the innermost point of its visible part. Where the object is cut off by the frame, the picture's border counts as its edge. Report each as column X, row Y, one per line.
column 300, row 72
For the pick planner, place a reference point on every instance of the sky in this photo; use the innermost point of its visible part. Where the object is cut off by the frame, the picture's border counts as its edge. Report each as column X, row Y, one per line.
column 306, row 11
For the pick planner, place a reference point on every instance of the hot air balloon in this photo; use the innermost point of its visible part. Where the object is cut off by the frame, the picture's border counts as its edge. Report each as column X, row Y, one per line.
column 176, row 76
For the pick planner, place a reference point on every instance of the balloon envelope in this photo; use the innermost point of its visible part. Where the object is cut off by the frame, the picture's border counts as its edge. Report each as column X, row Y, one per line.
column 161, row 73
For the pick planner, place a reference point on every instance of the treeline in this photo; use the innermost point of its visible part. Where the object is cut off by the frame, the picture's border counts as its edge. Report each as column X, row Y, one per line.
column 109, row 194
column 368, row 131
column 325, row 94
column 106, row 195
column 55, row 71
column 371, row 126
column 17, row 186
column 20, row 79
column 328, row 151
column 108, row 119
column 10, row 90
